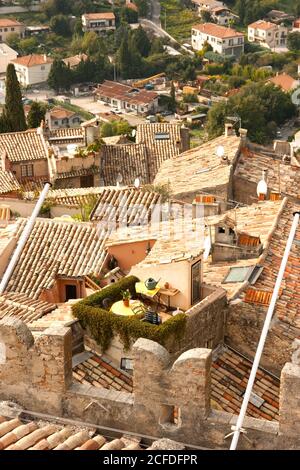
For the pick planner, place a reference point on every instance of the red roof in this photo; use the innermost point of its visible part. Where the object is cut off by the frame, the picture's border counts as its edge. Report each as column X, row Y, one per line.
column 284, row 81
column 33, row 60
column 261, row 24
column 119, row 91
column 218, row 31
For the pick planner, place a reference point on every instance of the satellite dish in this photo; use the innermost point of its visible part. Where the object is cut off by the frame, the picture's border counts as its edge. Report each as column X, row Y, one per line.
column 119, row 178
column 220, row 151
column 137, row 183
column 262, row 187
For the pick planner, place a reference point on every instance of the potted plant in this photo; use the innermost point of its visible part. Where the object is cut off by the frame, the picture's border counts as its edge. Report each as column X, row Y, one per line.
column 126, row 297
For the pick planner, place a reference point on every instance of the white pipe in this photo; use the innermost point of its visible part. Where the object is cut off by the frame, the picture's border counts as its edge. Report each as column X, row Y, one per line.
column 262, row 340
column 23, row 239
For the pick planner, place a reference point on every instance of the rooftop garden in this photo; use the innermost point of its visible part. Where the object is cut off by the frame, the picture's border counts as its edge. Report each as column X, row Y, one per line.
column 93, row 314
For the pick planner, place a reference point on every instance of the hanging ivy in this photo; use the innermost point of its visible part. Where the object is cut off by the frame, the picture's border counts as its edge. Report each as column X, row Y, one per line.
column 104, row 325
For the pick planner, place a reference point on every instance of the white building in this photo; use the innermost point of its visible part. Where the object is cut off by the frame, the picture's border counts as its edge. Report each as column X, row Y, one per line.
column 9, row 26
column 223, row 16
column 98, row 22
column 267, row 34
column 32, row 69
column 206, row 5
column 7, row 54
column 225, row 41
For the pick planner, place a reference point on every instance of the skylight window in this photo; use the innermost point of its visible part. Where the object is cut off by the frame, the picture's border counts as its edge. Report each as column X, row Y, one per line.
column 243, row 273
column 162, row 136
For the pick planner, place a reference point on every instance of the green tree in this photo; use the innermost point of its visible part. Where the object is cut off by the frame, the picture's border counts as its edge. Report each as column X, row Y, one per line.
column 261, row 109
column 141, row 41
column 60, row 76
column 172, row 104
column 36, row 114
column 293, row 41
column 60, row 25
column 13, row 112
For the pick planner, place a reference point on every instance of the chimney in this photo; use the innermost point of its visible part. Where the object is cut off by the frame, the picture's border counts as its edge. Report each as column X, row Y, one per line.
column 228, row 130
column 5, row 163
column 185, row 138
column 243, row 134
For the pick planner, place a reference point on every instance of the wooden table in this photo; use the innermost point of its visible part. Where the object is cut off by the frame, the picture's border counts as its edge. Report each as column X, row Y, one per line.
column 120, row 309
column 170, row 292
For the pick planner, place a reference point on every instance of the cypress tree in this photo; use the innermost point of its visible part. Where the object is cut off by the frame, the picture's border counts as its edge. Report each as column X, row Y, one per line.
column 36, row 115
column 13, row 109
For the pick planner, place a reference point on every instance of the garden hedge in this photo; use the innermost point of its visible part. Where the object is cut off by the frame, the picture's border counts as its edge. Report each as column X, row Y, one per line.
column 104, row 325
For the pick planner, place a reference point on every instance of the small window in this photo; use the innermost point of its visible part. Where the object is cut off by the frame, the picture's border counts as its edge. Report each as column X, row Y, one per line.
column 221, row 230
column 26, row 170
column 126, row 364
column 42, row 67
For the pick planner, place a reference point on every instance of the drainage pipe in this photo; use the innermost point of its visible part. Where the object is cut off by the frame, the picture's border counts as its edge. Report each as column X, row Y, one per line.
column 23, row 239
column 238, row 427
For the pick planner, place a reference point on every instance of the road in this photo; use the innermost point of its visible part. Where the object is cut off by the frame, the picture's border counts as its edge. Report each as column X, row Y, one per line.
column 159, row 31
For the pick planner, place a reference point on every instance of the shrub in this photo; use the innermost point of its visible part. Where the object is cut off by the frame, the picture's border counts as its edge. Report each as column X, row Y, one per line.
column 104, row 325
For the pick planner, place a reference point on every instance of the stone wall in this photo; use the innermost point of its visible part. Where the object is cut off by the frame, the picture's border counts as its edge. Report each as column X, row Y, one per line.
column 205, row 322
column 171, row 399
column 35, row 372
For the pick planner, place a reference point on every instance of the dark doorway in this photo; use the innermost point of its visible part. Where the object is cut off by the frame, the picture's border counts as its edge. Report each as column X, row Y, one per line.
column 71, row 292
column 87, row 181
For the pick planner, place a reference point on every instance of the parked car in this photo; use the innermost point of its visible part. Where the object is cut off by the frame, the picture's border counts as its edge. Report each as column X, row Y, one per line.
column 166, row 113
column 117, row 111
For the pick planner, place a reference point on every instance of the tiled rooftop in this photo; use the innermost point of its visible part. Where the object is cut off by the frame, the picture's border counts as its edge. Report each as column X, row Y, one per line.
column 257, row 220
column 91, row 369
column 217, row 31
column 23, row 307
column 53, row 249
column 230, row 374
column 288, row 304
column 163, row 142
column 67, row 135
column 74, row 196
column 129, row 160
column 280, row 176
column 22, row 433
column 125, row 93
column 285, row 81
column 74, row 173
column 75, row 60
column 8, row 182
column 200, row 168
column 23, row 146
column 137, row 203
column 33, row 60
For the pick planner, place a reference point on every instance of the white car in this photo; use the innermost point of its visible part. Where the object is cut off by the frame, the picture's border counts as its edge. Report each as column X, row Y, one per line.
column 117, row 111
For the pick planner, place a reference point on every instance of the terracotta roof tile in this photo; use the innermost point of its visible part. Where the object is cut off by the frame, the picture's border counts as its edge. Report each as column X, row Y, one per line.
column 284, row 81
column 23, row 146
column 53, row 249
column 217, row 31
column 75, row 60
column 109, row 15
column 97, row 371
column 23, row 307
column 126, row 93
column 230, row 373
column 4, row 22
column 262, row 24
column 8, row 182
column 32, row 60
column 199, row 169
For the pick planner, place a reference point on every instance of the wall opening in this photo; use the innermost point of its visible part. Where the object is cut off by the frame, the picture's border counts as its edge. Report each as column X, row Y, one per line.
column 170, row 416
column 2, row 353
